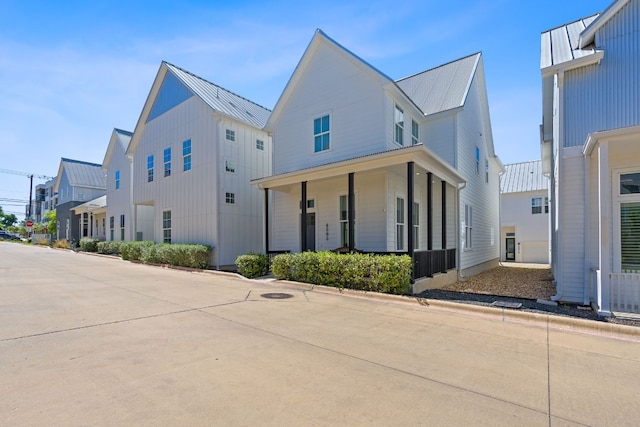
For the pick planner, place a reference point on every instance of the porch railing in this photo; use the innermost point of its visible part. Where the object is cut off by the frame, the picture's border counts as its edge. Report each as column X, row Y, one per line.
column 625, row 292
column 428, row 263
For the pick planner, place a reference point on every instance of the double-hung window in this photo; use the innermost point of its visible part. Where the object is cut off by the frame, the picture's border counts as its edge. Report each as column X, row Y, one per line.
column 186, row 155
column 536, row 205
column 166, row 226
column 629, row 197
column 150, row 168
column 399, row 224
column 415, row 132
column 117, row 180
column 167, row 161
column 121, row 227
column 468, row 227
column 398, row 121
column 111, row 224
column 344, row 220
column 321, row 133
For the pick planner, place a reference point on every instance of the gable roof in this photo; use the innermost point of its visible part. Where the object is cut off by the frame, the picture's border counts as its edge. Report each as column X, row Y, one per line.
column 119, row 137
column 523, row 177
column 441, row 88
column 588, row 34
column 81, row 174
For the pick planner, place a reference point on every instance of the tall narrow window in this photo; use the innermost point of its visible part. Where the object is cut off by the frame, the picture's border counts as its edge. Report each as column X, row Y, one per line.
column 546, row 205
column 117, row 180
column 477, row 160
column 468, row 227
column 486, row 170
column 344, row 221
column 150, row 168
column 416, row 225
column 166, row 226
column 111, row 224
column 415, row 132
column 121, row 227
column 229, row 166
column 186, row 155
column 398, row 120
column 536, row 205
column 230, row 135
column 167, row 161
column 399, row 223
column 260, row 144
column 321, row 138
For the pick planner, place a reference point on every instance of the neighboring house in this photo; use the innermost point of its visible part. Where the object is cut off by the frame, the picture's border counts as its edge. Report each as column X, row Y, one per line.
column 118, row 168
column 590, row 133
column 94, row 214
column 524, row 213
column 363, row 162
column 77, row 182
column 195, row 148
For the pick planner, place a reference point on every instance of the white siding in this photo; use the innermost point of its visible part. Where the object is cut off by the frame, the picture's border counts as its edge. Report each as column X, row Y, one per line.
column 531, row 230
column 119, row 201
column 440, row 136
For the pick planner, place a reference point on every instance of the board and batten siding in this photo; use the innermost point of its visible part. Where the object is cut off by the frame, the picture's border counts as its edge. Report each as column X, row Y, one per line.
column 119, row 200
column 356, row 122
column 440, row 137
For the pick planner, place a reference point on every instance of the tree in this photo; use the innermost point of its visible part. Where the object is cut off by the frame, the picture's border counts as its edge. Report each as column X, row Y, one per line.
column 7, row 220
column 50, row 219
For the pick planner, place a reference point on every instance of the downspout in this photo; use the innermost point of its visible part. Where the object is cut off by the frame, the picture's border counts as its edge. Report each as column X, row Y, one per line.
column 587, row 233
column 132, row 208
column 559, row 269
column 459, row 251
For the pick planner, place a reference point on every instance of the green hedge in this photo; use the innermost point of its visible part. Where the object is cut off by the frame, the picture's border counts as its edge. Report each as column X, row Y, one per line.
column 379, row 273
column 89, row 244
column 109, row 248
column 132, row 251
column 253, row 265
column 194, row 256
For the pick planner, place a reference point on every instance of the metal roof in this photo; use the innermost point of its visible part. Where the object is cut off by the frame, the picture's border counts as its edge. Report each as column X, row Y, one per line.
column 562, row 44
column 222, row 100
column 83, row 174
column 124, row 137
column 522, row 177
column 442, row 88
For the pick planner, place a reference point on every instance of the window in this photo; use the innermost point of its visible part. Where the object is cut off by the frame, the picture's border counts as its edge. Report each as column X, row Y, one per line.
column 230, row 198
column 486, row 170
column 229, row 166
column 344, row 220
column 260, row 144
column 536, row 205
column 186, row 155
column 477, row 160
column 167, row 161
column 468, row 227
column 166, row 226
column 230, row 135
column 321, row 133
column 111, row 223
column 117, row 180
column 415, row 132
column 399, row 223
column 630, row 183
column 398, row 120
column 416, row 225
column 121, row 227
column 150, row 168
column 546, row 205
column 630, row 236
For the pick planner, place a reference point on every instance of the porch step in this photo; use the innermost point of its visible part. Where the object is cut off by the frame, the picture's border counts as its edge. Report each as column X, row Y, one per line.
column 506, row 304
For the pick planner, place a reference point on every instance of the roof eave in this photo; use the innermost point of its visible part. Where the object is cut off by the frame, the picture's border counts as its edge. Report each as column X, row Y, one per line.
column 588, row 35
column 595, row 137
column 583, row 61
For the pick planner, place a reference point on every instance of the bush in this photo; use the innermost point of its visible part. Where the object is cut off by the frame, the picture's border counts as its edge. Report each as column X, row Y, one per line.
column 253, row 265
column 89, row 244
column 387, row 273
column 193, row 256
column 109, row 248
column 62, row 244
column 42, row 241
column 132, row 251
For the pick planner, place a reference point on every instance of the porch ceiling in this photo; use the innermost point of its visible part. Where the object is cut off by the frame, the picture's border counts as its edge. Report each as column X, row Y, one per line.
column 422, row 157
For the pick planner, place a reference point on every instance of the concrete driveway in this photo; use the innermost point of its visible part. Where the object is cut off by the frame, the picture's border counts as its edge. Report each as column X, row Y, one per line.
column 88, row 340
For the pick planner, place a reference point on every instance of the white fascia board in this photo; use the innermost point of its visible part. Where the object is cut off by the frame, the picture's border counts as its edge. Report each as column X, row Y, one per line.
column 583, row 61
column 593, row 138
column 589, row 34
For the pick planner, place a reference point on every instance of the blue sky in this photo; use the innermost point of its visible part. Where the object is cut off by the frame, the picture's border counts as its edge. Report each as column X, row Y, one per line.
column 71, row 71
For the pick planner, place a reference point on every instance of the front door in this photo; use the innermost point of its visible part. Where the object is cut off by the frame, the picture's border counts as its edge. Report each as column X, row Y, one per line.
column 310, row 229
column 511, row 249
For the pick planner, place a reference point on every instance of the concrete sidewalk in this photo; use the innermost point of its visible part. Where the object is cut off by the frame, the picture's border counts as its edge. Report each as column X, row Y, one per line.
column 93, row 341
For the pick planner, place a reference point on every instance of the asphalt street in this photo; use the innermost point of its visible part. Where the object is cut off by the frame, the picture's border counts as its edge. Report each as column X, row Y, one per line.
column 88, row 340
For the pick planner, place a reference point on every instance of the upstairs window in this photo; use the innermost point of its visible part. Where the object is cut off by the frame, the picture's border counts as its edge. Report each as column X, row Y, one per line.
column 259, row 144
column 415, row 132
column 536, row 205
column 150, row 168
column 230, row 198
column 117, row 180
column 477, row 160
column 230, row 135
column 321, row 133
column 398, row 120
column 229, row 166
column 546, row 205
column 167, row 161
column 186, row 155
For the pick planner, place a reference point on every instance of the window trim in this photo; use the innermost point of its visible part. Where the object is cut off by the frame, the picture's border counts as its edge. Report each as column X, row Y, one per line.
column 400, row 240
column 186, row 155
column 398, row 125
column 166, row 161
column 468, row 227
column 617, row 200
column 117, row 178
column 536, row 205
column 166, row 226
column 230, row 135
column 229, row 198
column 322, row 133
column 229, row 166
column 150, row 167
column 259, row 144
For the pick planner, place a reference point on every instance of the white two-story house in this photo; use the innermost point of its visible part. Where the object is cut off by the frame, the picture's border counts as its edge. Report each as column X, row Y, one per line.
column 118, row 168
column 591, row 148
column 195, row 149
column 363, row 162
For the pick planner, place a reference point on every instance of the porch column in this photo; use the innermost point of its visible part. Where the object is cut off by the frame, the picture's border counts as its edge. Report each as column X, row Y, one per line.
column 266, row 220
column 303, row 218
column 91, row 224
column 429, row 212
column 351, row 206
column 410, row 208
column 444, row 215
column 604, row 221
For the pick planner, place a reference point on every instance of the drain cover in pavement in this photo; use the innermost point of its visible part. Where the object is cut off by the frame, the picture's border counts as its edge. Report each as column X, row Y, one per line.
column 276, row 295
column 507, row 304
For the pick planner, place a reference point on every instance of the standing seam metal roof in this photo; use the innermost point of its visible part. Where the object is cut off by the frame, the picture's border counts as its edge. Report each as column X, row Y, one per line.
column 84, row 174
column 561, row 44
column 222, row 100
column 522, row 177
column 124, row 137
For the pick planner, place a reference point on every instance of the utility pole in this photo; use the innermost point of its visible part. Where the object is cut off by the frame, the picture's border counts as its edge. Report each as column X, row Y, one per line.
column 30, row 196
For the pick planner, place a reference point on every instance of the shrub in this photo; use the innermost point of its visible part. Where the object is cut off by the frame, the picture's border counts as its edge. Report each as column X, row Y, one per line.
column 132, row 251
column 109, row 248
column 42, row 241
column 253, row 265
column 62, row 244
column 89, row 244
column 181, row 255
column 388, row 273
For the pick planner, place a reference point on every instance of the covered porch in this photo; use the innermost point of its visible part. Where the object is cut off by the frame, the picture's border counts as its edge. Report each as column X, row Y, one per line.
column 396, row 202
column 92, row 218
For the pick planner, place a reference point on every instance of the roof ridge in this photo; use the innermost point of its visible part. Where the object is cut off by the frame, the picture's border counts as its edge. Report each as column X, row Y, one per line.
column 439, row 66
column 64, row 159
column 521, row 163
column 126, row 132
column 216, row 85
column 571, row 22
